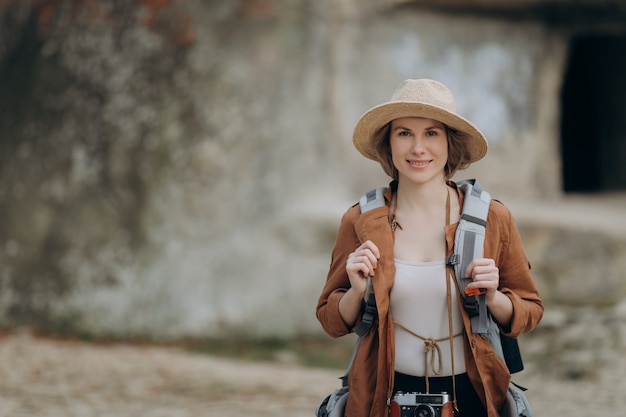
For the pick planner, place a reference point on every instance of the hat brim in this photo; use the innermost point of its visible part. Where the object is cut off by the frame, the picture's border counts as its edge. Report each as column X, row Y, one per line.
column 377, row 117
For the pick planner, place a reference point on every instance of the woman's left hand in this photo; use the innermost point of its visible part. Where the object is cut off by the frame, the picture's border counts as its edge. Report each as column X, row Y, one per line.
column 484, row 274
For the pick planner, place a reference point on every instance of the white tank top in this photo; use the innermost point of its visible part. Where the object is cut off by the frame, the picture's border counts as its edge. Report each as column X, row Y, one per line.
column 419, row 303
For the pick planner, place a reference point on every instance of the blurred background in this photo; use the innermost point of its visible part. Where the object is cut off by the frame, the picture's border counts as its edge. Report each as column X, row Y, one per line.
column 175, row 170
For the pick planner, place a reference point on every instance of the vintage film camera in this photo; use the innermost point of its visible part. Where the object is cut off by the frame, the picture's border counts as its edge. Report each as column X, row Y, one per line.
column 415, row 404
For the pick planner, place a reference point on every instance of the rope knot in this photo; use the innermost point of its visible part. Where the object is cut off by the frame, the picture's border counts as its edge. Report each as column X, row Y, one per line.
column 432, row 349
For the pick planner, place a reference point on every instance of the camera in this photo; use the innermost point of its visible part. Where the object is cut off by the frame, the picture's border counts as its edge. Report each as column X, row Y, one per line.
column 416, row 404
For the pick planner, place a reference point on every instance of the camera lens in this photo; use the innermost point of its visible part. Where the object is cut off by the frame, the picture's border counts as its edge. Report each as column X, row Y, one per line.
column 424, row 410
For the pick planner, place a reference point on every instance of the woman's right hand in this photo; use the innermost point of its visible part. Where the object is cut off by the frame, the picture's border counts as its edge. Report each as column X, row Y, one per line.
column 362, row 263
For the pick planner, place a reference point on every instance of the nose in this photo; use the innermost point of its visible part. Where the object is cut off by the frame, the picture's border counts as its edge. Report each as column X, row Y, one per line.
column 418, row 145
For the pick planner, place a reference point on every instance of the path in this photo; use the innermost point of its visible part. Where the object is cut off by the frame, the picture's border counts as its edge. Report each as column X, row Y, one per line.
column 52, row 378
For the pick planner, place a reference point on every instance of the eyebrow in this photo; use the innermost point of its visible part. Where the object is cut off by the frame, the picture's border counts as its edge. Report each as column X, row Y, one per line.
column 433, row 127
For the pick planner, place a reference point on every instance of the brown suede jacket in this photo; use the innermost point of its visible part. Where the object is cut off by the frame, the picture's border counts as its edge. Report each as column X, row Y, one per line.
column 371, row 376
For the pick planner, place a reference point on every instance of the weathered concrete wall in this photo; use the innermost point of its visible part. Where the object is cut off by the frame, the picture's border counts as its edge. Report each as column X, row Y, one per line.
column 167, row 180
column 506, row 77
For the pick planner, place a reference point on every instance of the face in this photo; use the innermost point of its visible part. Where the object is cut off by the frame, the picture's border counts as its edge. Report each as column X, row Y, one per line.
column 419, row 149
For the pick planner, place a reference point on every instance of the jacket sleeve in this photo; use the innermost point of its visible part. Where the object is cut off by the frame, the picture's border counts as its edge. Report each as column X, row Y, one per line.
column 516, row 280
column 337, row 281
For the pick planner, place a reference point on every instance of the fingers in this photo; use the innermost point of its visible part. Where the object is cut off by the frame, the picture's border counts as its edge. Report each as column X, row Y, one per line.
column 369, row 245
column 484, row 273
column 482, row 266
column 363, row 260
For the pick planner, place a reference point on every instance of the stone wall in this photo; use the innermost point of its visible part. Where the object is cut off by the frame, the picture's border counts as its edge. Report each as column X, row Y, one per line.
column 178, row 169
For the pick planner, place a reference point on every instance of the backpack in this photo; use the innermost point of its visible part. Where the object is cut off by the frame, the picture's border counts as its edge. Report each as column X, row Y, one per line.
column 468, row 244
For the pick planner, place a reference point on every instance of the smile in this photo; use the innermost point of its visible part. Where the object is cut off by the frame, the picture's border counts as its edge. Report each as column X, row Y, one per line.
column 418, row 164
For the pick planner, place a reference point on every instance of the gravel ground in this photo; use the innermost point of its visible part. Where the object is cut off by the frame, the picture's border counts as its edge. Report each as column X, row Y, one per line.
column 59, row 378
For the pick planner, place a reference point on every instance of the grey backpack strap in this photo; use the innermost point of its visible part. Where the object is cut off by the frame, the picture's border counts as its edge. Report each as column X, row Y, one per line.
column 468, row 245
column 370, row 200
column 366, row 323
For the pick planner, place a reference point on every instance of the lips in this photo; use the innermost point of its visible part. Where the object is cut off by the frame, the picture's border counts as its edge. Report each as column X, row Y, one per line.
column 419, row 164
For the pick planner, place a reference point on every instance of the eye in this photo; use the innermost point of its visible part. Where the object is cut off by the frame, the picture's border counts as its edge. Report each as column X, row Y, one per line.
column 401, row 132
column 432, row 132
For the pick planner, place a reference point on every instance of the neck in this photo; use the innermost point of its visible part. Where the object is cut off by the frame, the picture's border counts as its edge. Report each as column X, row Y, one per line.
column 422, row 196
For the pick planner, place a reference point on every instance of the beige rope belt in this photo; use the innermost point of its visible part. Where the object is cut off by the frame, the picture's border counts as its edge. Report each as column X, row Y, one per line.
column 431, row 349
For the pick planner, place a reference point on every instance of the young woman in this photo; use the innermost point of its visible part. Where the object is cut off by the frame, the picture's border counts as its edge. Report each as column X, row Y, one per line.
column 421, row 142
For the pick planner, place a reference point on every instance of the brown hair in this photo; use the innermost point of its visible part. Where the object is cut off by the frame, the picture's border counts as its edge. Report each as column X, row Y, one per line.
column 458, row 153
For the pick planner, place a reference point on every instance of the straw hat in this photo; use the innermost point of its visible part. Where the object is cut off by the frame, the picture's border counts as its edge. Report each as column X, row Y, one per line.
column 417, row 98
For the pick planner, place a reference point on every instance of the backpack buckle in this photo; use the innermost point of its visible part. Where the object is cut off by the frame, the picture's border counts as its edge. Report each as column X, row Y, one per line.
column 453, row 260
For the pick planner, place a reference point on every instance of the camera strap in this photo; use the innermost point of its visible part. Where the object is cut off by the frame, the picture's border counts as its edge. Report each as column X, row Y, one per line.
column 450, row 326
column 449, row 297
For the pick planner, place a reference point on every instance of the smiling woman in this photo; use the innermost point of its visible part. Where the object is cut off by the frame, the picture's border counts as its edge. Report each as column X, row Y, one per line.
column 421, row 142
